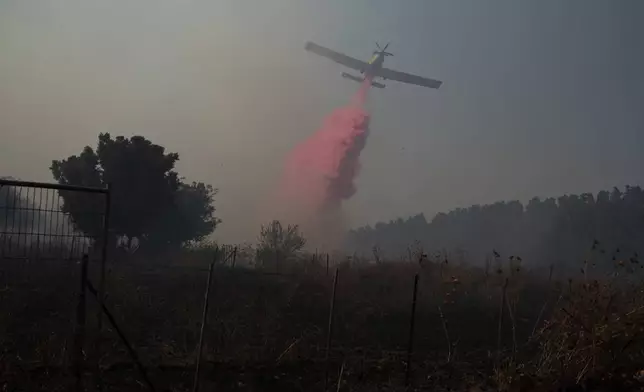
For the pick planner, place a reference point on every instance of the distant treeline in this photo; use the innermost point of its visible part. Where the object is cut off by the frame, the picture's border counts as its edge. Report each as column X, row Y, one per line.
column 565, row 230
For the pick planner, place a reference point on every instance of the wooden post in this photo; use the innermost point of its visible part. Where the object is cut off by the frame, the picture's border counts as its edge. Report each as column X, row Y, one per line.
column 500, row 328
column 327, row 264
column 412, row 322
column 234, row 256
column 106, row 240
column 79, row 334
column 204, row 319
column 330, row 331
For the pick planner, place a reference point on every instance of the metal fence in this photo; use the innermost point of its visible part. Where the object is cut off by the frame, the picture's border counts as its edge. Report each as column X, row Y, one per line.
column 45, row 232
column 50, row 221
column 41, row 221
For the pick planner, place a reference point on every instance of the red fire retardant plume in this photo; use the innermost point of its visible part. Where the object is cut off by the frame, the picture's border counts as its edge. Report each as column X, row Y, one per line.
column 319, row 173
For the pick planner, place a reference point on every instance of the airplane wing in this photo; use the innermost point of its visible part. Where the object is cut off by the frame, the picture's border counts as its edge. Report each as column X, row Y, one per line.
column 387, row 73
column 337, row 57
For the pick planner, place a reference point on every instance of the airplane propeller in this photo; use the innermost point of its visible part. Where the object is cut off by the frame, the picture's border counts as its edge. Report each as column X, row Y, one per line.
column 383, row 50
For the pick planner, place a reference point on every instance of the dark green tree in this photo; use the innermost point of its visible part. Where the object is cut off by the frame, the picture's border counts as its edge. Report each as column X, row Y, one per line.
column 148, row 199
column 191, row 218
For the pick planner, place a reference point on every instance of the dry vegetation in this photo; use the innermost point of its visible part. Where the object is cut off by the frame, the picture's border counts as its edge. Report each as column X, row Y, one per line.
column 497, row 327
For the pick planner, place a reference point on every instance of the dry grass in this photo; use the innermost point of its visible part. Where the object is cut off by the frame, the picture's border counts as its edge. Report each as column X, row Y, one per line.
column 267, row 331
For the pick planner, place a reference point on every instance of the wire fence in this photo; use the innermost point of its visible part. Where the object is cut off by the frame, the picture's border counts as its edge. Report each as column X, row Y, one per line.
column 45, row 232
column 36, row 220
column 347, row 319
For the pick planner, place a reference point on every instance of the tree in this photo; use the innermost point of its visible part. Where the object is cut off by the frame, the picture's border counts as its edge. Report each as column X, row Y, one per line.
column 277, row 244
column 82, row 170
column 191, row 218
column 546, row 231
column 148, row 199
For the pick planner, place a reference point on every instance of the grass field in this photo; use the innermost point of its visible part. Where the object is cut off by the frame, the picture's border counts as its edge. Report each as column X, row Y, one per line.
column 500, row 327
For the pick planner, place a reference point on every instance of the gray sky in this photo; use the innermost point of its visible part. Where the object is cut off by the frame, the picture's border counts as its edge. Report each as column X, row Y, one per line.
column 539, row 97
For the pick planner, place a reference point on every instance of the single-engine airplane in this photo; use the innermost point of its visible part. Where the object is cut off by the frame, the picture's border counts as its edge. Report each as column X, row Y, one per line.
column 373, row 68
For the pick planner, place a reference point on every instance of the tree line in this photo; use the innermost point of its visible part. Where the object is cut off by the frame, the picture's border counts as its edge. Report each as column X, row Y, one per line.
column 150, row 201
column 561, row 230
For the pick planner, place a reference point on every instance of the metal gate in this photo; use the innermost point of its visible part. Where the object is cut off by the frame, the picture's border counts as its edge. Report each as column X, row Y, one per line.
column 46, row 230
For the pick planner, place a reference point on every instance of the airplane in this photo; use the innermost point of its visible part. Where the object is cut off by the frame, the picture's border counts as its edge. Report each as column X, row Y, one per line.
column 373, row 68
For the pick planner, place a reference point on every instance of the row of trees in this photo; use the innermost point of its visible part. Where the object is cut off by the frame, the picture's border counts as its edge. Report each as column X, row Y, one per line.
column 149, row 200
column 544, row 230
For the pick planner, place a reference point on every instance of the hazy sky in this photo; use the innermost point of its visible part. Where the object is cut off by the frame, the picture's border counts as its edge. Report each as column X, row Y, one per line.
column 540, row 97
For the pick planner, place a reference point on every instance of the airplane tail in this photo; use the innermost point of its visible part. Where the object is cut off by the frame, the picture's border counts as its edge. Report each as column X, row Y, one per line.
column 360, row 80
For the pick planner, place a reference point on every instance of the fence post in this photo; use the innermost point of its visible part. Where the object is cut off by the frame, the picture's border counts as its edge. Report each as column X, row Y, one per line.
column 327, row 264
column 234, row 256
column 106, row 238
column 79, row 335
column 500, row 328
column 330, row 332
column 412, row 322
column 204, row 319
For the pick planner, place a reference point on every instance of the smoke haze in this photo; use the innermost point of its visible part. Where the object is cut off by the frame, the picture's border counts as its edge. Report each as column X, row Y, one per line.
column 526, row 110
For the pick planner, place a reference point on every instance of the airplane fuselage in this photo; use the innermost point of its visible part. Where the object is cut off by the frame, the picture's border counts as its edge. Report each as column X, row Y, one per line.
column 370, row 72
column 375, row 64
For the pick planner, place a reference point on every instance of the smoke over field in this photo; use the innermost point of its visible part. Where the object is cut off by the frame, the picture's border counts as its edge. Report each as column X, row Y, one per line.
column 319, row 173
